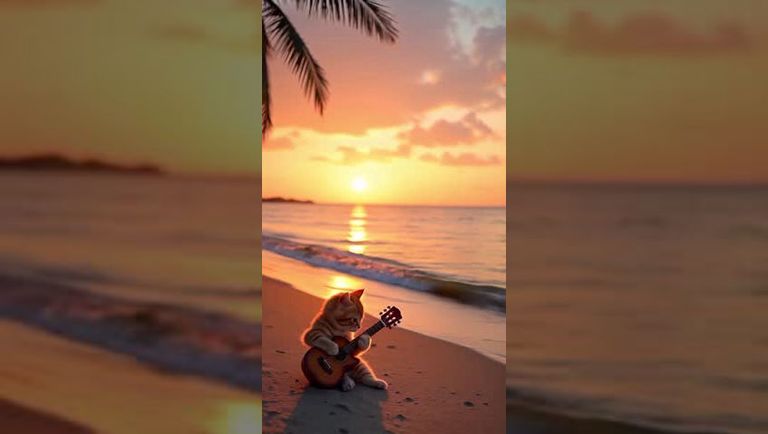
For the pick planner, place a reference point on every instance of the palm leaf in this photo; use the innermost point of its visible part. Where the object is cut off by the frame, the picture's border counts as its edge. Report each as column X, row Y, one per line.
column 266, row 97
column 288, row 42
column 369, row 16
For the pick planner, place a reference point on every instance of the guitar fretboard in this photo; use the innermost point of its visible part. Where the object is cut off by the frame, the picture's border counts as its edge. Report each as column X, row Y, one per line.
column 372, row 330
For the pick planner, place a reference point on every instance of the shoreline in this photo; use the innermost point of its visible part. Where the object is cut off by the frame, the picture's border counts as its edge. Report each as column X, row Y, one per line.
column 457, row 323
column 417, row 400
column 387, row 271
column 435, row 386
column 173, row 338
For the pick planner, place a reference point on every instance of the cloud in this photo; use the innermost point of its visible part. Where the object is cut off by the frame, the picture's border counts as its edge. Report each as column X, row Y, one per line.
column 649, row 33
column 467, row 130
column 352, row 156
column 490, row 48
column 374, row 85
column 528, row 28
column 282, row 143
column 463, row 159
column 490, row 44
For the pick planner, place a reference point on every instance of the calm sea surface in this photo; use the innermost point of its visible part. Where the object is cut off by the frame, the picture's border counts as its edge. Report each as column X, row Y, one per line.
column 647, row 305
column 641, row 304
column 463, row 244
column 172, row 240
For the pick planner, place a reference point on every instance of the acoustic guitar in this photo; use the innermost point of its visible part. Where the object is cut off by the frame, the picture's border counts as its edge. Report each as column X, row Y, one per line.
column 326, row 371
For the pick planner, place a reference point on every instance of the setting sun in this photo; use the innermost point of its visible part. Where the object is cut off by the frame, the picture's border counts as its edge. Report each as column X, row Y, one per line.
column 359, row 184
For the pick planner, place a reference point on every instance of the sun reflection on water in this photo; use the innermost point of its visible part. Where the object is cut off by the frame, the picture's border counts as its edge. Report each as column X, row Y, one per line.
column 358, row 235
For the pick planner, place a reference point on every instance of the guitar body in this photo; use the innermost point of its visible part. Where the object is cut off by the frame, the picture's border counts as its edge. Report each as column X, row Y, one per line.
column 327, row 371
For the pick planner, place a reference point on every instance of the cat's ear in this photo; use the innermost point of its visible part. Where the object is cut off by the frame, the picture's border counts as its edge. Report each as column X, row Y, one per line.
column 345, row 299
column 357, row 294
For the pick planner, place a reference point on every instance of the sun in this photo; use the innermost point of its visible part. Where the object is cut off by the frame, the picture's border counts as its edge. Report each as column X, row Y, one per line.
column 359, row 184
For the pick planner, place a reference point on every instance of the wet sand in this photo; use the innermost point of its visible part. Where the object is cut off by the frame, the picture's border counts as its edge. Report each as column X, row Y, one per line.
column 15, row 418
column 46, row 380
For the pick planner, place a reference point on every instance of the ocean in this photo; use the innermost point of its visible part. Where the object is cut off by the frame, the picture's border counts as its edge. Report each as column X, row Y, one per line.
column 640, row 304
column 444, row 267
column 165, row 269
column 454, row 252
column 161, row 238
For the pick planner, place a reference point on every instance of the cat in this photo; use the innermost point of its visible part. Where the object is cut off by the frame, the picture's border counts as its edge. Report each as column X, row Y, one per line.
column 341, row 315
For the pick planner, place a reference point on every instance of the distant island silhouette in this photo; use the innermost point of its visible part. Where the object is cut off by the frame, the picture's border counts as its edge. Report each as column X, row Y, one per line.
column 56, row 162
column 279, row 199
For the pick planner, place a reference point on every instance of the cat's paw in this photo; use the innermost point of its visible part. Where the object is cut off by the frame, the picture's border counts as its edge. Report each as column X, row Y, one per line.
column 364, row 341
column 379, row 384
column 326, row 345
column 347, row 383
column 331, row 348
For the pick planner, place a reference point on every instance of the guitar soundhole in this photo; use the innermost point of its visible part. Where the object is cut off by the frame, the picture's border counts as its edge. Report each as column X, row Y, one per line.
column 325, row 365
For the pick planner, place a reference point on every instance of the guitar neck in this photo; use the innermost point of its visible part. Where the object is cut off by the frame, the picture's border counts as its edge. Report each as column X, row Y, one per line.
column 372, row 330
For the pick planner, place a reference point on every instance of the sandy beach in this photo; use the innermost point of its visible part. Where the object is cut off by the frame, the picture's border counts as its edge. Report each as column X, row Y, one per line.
column 51, row 385
column 16, row 418
column 435, row 386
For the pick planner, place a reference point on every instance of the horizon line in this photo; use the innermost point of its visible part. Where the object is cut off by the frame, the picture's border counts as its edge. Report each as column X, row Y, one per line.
column 257, row 177
column 637, row 182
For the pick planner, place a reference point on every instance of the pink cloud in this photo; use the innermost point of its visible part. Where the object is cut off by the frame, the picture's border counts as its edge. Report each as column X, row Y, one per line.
column 278, row 143
column 352, row 156
column 649, row 33
column 374, row 85
column 463, row 159
column 467, row 130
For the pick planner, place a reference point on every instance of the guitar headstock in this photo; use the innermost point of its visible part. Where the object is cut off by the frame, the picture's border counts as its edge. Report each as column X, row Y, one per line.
column 391, row 316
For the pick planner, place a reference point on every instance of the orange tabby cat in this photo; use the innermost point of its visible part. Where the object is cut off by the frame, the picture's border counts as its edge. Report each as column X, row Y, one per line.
column 341, row 316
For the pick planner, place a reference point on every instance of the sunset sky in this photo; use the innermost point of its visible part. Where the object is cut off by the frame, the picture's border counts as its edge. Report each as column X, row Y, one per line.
column 650, row 90
column 418, row 122
column 174, row 82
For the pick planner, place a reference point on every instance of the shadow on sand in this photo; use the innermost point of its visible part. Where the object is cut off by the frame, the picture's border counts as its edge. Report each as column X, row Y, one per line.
column 335, row 412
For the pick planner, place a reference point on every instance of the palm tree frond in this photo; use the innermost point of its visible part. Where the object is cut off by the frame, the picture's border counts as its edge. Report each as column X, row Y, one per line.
column 288, row 42
column 266, row 97
column 370, row 16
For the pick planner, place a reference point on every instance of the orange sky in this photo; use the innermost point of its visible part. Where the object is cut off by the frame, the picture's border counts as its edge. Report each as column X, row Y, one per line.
column 648, row 90
column 597, row 90
column 172, row 82
column 422, row 121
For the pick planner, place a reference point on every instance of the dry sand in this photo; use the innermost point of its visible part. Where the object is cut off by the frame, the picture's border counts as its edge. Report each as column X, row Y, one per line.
column 435, row 386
